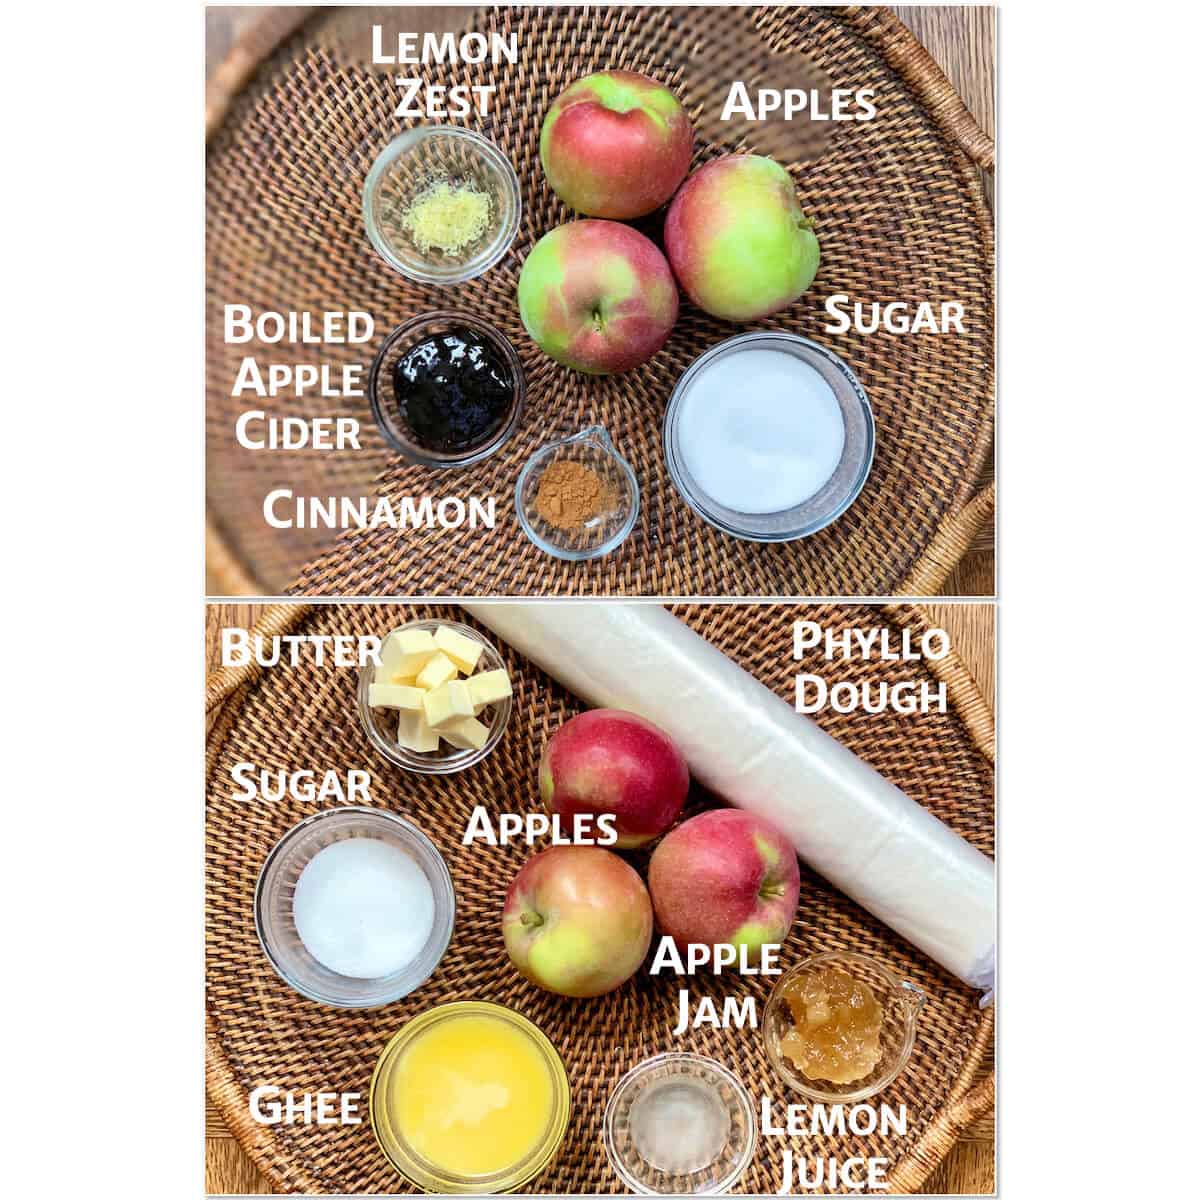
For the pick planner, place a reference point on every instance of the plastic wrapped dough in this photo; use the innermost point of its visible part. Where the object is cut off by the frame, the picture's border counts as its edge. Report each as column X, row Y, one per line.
column 750, row 747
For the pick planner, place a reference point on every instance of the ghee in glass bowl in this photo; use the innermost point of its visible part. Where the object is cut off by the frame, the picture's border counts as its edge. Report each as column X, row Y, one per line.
column 469, row 1098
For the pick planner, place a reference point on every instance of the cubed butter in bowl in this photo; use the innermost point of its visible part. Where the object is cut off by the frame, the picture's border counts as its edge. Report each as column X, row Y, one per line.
column 439, row 699
column 448, row 702
column 463, row 651
column 438, row 670
column 403, row 654
column 397, row 695
column 489, row 687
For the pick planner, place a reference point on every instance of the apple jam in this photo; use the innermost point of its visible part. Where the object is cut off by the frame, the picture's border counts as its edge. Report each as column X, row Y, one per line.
column 454, row 390
column 837, row 1026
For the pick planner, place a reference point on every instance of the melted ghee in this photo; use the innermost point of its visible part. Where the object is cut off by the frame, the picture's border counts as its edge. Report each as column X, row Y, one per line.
column 472, row 1095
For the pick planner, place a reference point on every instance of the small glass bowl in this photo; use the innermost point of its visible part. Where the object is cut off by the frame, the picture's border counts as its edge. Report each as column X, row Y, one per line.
column 381, row 390
column 839, row 491
column 421, row 158
column 277, row 928
column 679, row 1079
column 592, row 448
column 431, row 1177
column 381, row 728
column 902, row 1002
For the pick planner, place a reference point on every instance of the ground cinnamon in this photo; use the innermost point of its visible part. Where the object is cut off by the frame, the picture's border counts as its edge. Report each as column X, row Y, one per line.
column 570, row 494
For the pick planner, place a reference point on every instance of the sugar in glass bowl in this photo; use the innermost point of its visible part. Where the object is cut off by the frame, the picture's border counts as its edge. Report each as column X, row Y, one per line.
column 422, row 159
column 769, row 436
column 274, row 910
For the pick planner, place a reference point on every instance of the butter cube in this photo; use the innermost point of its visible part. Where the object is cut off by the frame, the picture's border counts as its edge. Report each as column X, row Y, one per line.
column 413, row 733
column 464, row 733
column 438, row 670
column 489, row 687
column 462, row 651
column 396, row 695
column 448, row 702
column 403, row 653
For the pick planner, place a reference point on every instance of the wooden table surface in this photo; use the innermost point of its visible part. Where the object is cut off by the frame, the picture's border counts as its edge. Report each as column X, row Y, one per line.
column 970, row 1167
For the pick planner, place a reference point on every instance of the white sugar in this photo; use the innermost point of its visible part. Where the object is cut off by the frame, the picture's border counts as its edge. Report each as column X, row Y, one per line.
column 760, row 431
column 363, row 908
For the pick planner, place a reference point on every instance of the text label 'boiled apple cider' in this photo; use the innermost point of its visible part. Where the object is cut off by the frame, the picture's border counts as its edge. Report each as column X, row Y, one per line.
column 259, row 429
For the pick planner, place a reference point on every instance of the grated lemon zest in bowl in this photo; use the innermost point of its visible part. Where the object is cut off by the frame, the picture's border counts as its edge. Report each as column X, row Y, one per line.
column 447, row 218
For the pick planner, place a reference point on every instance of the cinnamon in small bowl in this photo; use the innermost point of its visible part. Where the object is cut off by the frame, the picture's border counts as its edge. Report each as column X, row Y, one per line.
column 577, row 498
column 570, row 495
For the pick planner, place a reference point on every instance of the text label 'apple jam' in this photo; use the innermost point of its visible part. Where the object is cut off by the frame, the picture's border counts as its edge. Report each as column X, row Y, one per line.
column 703, row 1010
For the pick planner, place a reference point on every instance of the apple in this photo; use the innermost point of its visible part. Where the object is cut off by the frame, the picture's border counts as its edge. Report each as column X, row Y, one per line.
column 577, row 920
column 616, row 144
column 725, row 876
column 608, row 761
column 738, row 240
column 597, row 296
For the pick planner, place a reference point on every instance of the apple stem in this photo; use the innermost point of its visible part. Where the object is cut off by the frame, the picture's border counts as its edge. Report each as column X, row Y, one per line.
column 531, row 920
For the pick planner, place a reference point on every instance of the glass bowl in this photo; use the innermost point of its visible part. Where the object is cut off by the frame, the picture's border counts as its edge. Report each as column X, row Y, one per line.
column 902, row 1002
column 592, row 448
column 838, row 492
column 382, row 394
column 380, row 727
column 277, row 884
column 433, row 1177
column 658, row 1106
column 420, row 159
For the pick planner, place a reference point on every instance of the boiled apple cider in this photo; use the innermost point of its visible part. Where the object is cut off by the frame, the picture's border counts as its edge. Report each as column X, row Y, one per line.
column 838, row 1023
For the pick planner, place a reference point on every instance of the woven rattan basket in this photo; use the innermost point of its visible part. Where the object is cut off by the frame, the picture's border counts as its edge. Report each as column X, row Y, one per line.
column 260, row 1031
column 296, row 116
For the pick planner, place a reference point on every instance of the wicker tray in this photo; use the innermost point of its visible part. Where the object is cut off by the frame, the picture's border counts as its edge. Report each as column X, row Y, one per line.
column 260, row 1031
column 296, row 117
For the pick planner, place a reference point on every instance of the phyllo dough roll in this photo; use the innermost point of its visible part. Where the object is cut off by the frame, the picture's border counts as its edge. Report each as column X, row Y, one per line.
column 750, row 747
